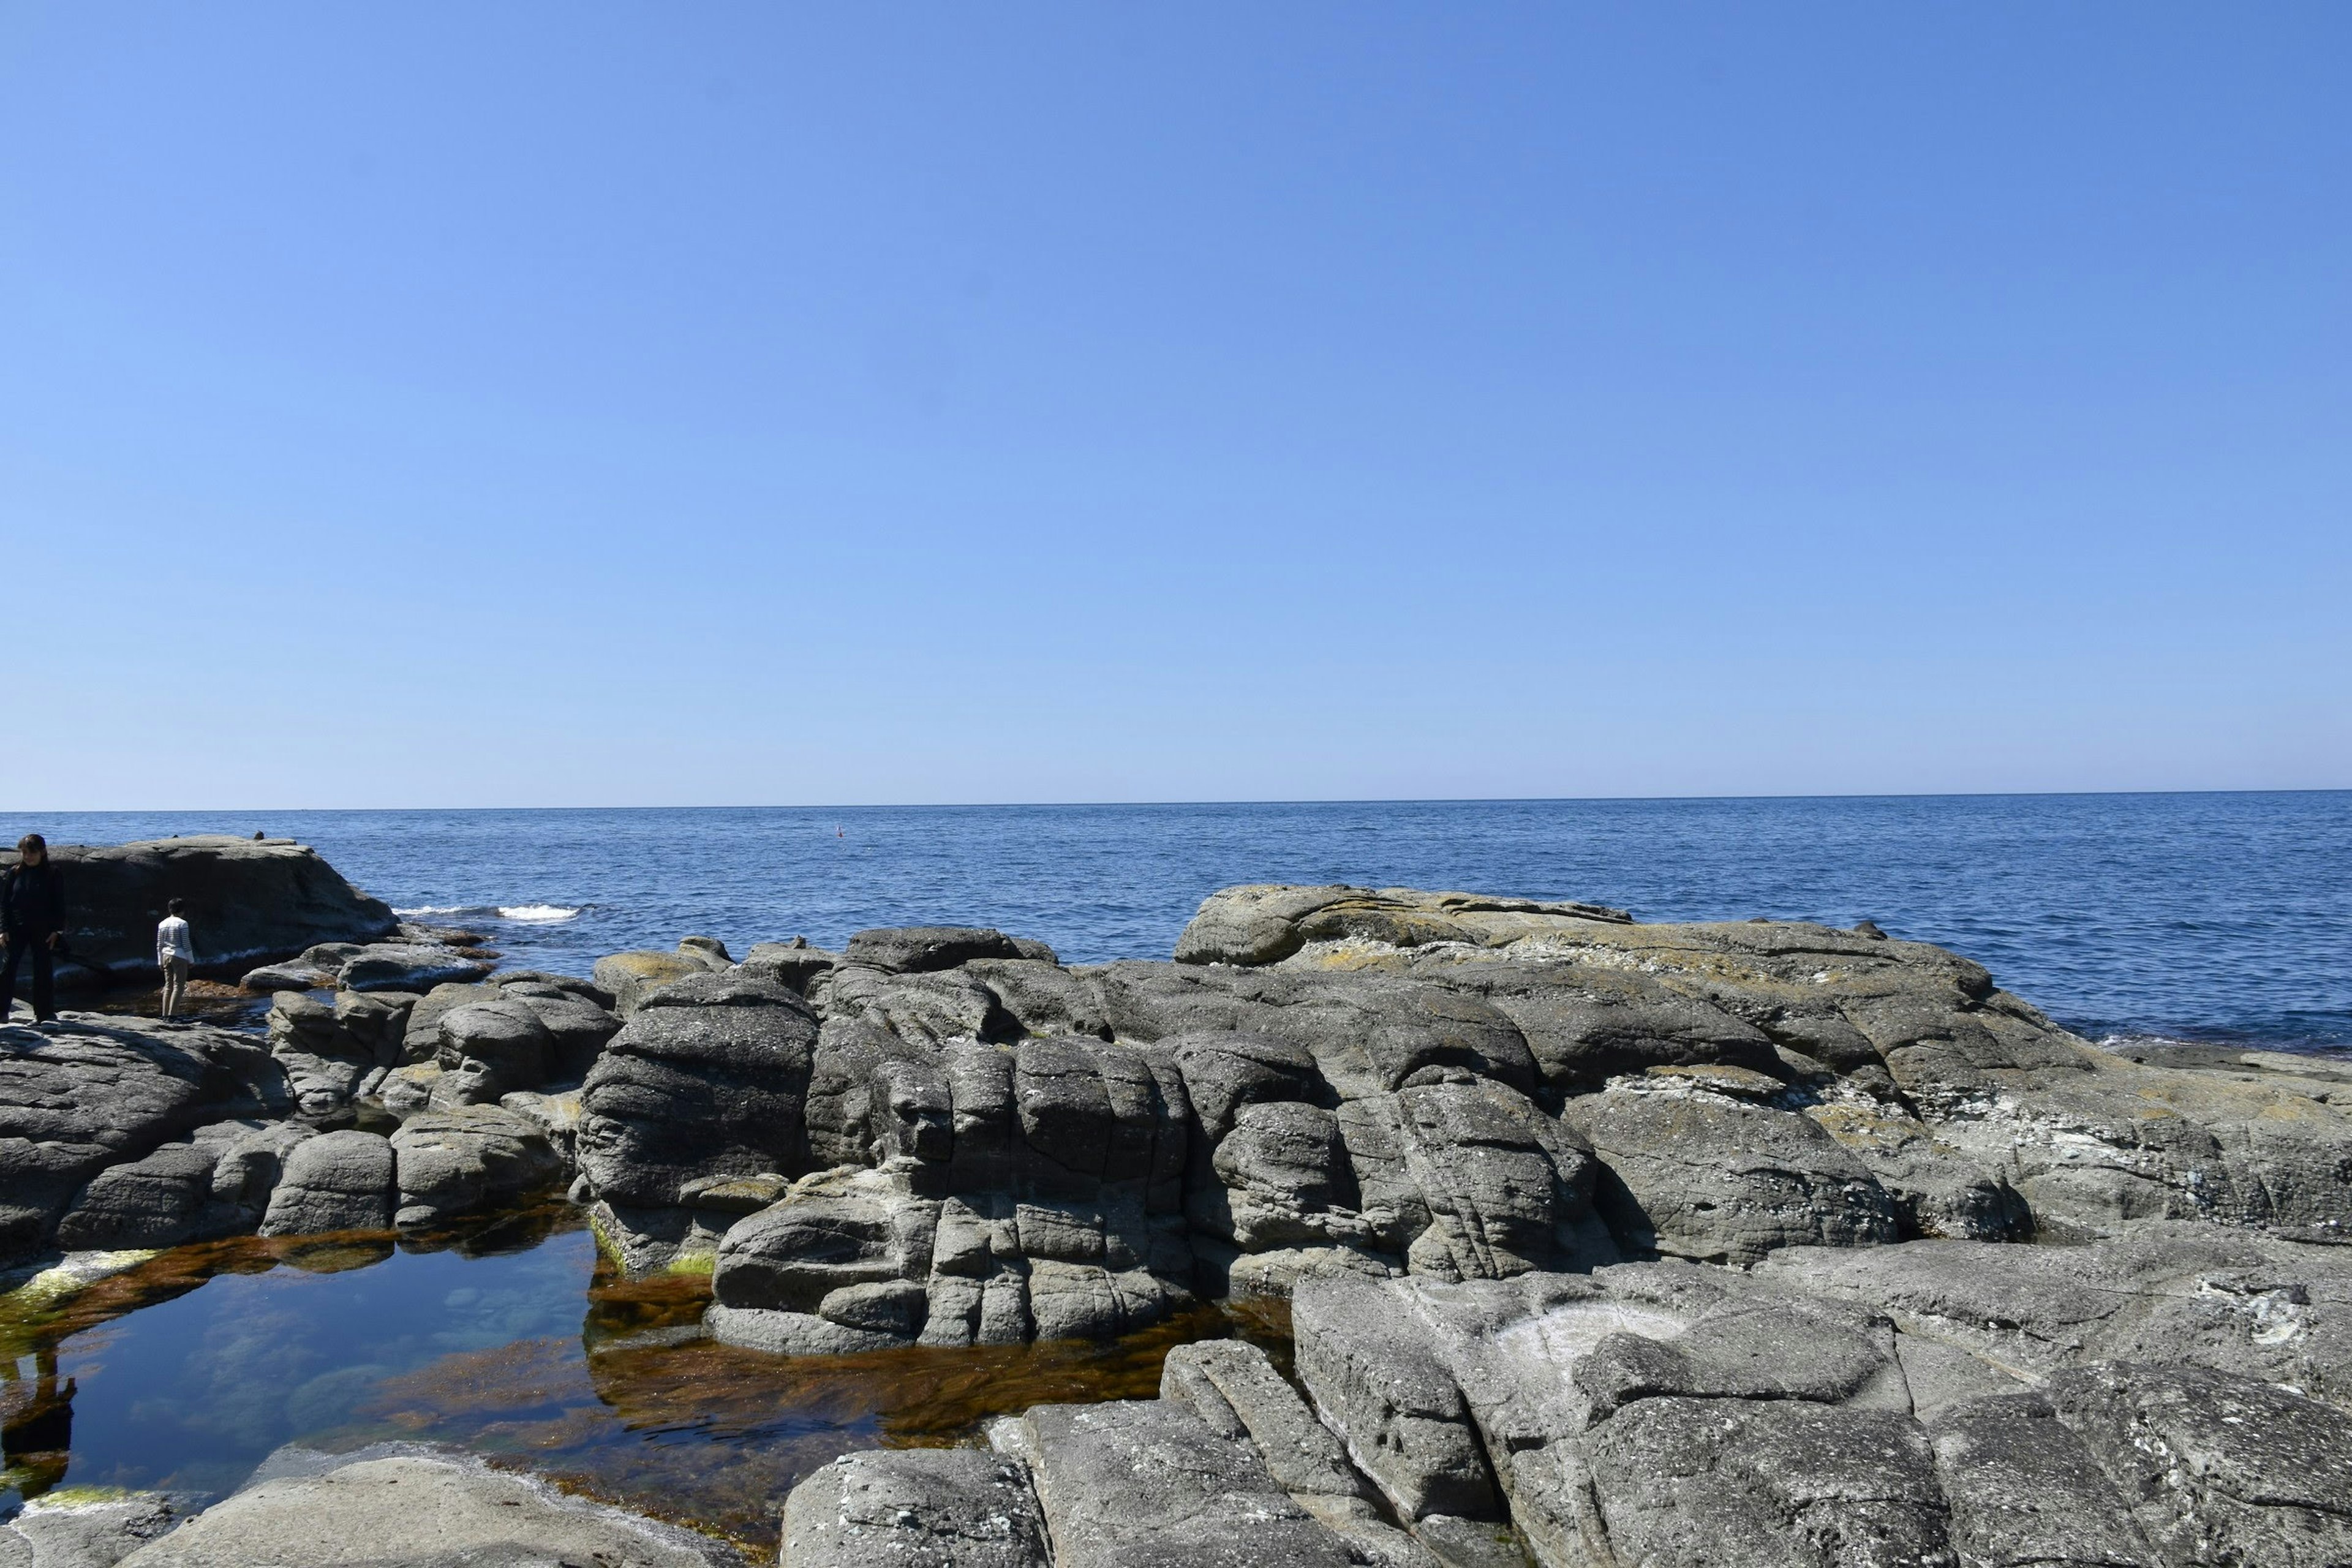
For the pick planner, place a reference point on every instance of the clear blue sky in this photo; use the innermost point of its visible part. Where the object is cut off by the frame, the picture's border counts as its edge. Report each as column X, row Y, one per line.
column 589, row 404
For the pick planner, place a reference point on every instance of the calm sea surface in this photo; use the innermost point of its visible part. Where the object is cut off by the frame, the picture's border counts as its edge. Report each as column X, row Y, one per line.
column 2221, row 916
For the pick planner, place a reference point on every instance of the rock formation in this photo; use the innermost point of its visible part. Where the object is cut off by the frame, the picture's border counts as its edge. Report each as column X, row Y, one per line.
column 249, row 901
column 1604, row 1243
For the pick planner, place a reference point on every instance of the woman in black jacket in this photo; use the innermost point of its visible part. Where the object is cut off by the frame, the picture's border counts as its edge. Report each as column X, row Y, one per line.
column 32, row 919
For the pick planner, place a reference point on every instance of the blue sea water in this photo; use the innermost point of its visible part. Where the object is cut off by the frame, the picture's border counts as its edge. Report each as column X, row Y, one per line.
column 2212, row 917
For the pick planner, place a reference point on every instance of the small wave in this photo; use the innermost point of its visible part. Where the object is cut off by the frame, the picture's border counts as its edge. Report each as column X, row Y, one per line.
column 529, row 915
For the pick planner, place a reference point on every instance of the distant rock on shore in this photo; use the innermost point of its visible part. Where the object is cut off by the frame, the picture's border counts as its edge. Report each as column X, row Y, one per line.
column 251, row 901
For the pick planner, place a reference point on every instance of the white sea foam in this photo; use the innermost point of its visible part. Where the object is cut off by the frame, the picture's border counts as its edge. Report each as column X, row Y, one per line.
column 536, row 914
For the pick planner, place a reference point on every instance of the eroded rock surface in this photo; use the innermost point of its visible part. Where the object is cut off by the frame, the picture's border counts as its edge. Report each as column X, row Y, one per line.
column 412, row 1509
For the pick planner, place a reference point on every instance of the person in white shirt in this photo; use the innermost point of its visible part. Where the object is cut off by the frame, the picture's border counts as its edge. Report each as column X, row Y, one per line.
column 175, row 951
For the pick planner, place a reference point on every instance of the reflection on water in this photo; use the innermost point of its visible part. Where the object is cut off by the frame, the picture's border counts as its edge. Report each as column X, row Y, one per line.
column 511, row 1338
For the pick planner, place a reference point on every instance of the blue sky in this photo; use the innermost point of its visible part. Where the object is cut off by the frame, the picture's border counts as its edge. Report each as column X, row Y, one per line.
column 553, row 404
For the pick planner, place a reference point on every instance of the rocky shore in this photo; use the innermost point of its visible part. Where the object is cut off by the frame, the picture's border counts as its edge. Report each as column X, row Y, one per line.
column 1602, row 1242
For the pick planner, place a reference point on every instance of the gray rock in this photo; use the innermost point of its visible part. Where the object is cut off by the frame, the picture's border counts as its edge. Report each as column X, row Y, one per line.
column 1264, row 923
column 419, row 1511
column 1736, row 1483
column 1136, row 1482
column 2198, row 1294
column 578, row 1029
column 1587, row 1025
column 1041, row 997
column 2023, row 1489
column 788, row 1333
column 915, row 950
column 397, row 966
column 500, row 1047
column 1233, row 1389
column 88, row 1092
column 915, row 1508
column 1698, row 1175
column 1378, row 1376
column 454, row 1161
column 829, row 1235
column 793, row 965
column 420, row 1040
column 84, row 1532
column 2216, row 1467
column 707, row 954
column 330, row 956
column 631, row 977
column 249, row 902
column 710, row 1078
column 337, row 1181
column 1505, row 1186
column 290, row 976
column 325, row 1063
column 1225, row 1072
column 159, row 1201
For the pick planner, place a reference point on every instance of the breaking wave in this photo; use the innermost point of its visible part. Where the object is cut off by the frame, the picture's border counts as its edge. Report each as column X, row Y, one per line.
column 529, row 915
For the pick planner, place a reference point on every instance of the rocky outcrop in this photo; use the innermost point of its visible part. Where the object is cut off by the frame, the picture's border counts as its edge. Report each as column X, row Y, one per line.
column 409, row 1508
column 89, row 1093
column 249, row 901
column 915, row 1508
column 1672, row 1414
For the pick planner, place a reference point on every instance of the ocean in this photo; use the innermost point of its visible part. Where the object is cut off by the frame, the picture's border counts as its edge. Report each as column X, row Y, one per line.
column 2223, row 918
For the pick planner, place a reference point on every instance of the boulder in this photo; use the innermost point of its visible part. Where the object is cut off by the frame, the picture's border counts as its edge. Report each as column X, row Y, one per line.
column 391, row 1508
column 88, row 1092
column 1265, row 923
column 290, row 976
column 452, row 1161
column 1695, row 1173
column 631, row 977
column 1133, row 1482
column 421, row 1040
column 337, row 1181
column 84, row 1527
column 325, row 1062
column 2229, row 1299
column 407, row 966
column 915, row 1508
column 249, row 901
column 158, row 1201
column 916, row 949
column 1233, row 1389
column 793, row 965
column 707, row 1079
column 578, row 1029
column 493, row 1048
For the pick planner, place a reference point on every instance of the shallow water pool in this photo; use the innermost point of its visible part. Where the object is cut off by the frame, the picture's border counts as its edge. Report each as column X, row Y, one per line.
column 511, row 1338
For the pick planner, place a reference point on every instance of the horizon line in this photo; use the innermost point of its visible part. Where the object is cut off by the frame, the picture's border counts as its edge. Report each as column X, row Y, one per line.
column 1166, row 805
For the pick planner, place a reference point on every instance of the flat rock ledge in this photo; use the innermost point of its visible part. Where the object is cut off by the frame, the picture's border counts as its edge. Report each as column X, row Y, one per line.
column 410, row 1507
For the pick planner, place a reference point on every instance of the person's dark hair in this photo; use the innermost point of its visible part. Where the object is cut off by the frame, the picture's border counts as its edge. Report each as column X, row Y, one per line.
column 176, row 907
column 32, row 841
